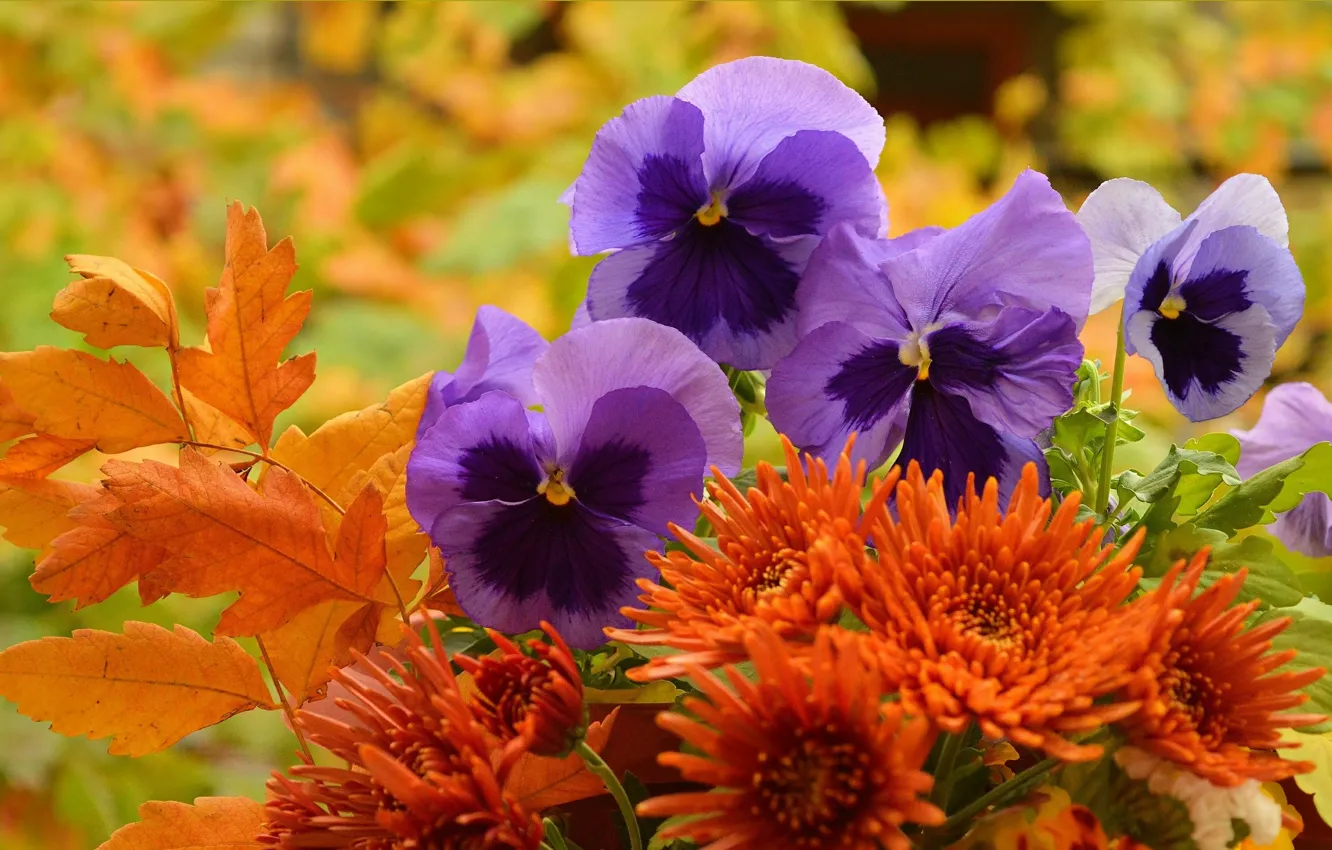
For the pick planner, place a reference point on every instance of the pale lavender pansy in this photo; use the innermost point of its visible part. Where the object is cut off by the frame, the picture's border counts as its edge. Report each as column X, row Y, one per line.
column 712, row 200
column 1209, row 298
column 1294, row 417
column 546, row 516
column 959, row 345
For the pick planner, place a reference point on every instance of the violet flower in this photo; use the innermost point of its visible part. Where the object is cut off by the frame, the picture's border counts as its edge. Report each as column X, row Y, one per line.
column 1294, row 417
column 712, row 201
column 960, row 345
column 546, row 516
column 499, row 356
column 1209, row 299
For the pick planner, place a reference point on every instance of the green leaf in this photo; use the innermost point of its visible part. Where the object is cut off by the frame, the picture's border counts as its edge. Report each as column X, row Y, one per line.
column 1310, row 635
column 1317, row 783
column 503, row 229
column 1277, row 488
column 663, row 691
column 1187, row 475
column 1269, row 580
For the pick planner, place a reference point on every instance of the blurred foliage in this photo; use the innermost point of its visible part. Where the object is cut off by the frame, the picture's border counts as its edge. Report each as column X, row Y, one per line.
column 415, row 151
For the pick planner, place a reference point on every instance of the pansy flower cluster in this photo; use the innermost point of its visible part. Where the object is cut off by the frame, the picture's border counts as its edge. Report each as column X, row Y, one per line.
column 914, row 633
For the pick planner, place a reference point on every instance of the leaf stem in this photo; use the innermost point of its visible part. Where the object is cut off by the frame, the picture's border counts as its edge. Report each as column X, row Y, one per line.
column 286, row 706
column 1112, row 427
column 268, row 460
column 998, row 794
column 943, row 770
column 603, row 771
column 175, row 375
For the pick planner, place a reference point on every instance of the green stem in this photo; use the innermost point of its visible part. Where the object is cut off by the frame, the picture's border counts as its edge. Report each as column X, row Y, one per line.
column 603, row 771
column 943, row 770
column 1011, row 789
column 1112, row 427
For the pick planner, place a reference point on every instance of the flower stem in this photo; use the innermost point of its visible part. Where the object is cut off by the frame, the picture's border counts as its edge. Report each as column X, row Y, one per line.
column 1009, row 790
column 943, row 770
column 286, row 706
column 603, row 771
column 1112, row 427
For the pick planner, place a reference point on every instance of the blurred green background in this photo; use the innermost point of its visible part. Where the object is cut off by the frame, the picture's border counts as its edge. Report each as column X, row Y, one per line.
column 415, row 152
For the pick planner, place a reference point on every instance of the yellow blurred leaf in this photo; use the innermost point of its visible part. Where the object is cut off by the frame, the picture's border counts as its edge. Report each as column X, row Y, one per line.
column 663, row 691
column 1317, row 783
column 337, row 37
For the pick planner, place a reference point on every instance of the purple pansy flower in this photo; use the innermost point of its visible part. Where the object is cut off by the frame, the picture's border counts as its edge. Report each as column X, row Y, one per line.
column 712, row 201
column 1294, row 417
column 1209, row 299
column 499, row 356
column 546, row 516
column 959, row 345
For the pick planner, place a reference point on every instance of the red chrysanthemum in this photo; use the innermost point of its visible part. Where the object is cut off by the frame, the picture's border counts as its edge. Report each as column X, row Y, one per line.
column 807, row 757
column 539, row 699
column 762, row 569
column 1209, row 696
column 422, row 773
column 1014, row 620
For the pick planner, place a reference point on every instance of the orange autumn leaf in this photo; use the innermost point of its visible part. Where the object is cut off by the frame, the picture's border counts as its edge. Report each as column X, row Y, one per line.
column 540, row 783
column 14, row 422
column 212, row 823
column 40, row 455
column 213, row 426
column 33, row 513
column 405, row 545
column 90, row 562
column 77, row 396
column 114, row 304
column 251, row 320
column 100, row 683
column 270, row 545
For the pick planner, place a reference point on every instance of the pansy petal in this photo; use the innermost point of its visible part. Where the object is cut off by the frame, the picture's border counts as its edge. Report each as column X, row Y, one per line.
column 731, row 292
column 1307, row 528
column 1017, row 370
column 1208, row 369
column 839, row 381
column 1018, row 452
column 1153, row 276
column 514, row 565
column 843, row 283
column 1294, row 417
column 942, row 433
column 478, row 450
column 1245, row 199
column 1026, row 249
column 641, row 459
column 1123, row 218
column 582, row 317
column 643, row 178
column 809, row 182
column 1238, row 265
column 752, row 104
column 585, row 364
column 499, row 356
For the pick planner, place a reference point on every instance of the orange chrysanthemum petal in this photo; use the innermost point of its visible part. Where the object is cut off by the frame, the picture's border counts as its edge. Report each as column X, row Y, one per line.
column 1011, row 619
column 778, row 550
column 1208, row 692
column 806, row 757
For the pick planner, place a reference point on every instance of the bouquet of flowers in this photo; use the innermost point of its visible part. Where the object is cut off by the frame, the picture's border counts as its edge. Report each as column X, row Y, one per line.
column 540, row 601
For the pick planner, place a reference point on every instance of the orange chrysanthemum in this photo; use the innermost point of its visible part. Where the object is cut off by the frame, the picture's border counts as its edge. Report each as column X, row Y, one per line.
column 762, row 568
column 1208, row 692
column 538, row 699
column 421, row 771
column 799, row 759
column 1012, row 620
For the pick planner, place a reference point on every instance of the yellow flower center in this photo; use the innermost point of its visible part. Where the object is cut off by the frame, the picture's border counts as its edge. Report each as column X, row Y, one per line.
column 713, row 212
column 916, row 352
column 1171, row 307
column 555, row 490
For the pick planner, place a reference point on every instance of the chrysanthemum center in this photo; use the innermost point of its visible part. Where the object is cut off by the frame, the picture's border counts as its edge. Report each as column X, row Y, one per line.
column 1171, row 306
column 555, row 489
column 812, row 788
column 1194, row 694
column 915, row 352
column 771, row 576
column 986, row 619
column 712, row 212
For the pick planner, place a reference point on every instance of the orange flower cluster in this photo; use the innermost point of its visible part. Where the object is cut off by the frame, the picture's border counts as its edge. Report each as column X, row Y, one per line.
column 426, row 767
column 779, row 548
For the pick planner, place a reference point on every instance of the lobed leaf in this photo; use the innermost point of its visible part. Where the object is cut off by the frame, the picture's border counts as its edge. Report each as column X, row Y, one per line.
column 34, row 513
column 1278, row 488
column 114, row 304
column 147, row 688
column 14, row 421
column 540, row 783
column 212, row 823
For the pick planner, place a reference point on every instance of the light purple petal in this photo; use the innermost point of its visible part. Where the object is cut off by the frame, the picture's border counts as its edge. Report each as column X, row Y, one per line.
column 1016, row 370
column 809, row 182
column 1294, row 417
column 1273, row 280
column 1123, row 218
column 643, row 178
column 1154, row 277
column 1026, row 249
column 843, row 283
column 1307, row 528
column 642, row 459
column 836, row 382
column 585, row 364
column 481, row 449
column 1245, row 200
column 750, row 105
column 581, row 317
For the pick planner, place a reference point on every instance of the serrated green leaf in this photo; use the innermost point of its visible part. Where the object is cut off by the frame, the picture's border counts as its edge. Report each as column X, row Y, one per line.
column 1272, row 491
column 1269, row 580
column 1310, row 635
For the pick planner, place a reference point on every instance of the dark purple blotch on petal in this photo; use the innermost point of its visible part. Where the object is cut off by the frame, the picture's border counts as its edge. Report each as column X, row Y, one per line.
column 870, row 383
column 498, row 469
column 1157, row 287
column 960, row 360
column 672, row 190
column 1216, row 294
column 942, row 433
column 779, row 208
column 1192, row 349
column 609, row 478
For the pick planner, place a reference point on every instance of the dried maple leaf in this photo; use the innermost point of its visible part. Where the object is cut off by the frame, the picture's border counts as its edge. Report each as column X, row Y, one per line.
column 540, row 783
column 99, row 683
column 270, row 545
column 251, row 320
column 14, row 422
column 212, row 823
column 34, row 513
column 114, row 304
column 74, row 395
column 40, row 455
column 213, row 426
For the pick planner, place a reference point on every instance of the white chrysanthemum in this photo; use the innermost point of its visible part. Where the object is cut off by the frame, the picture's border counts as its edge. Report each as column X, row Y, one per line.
column 1211, row 808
